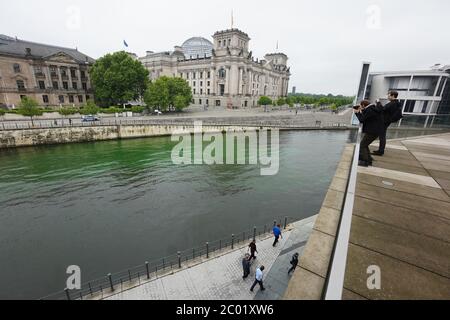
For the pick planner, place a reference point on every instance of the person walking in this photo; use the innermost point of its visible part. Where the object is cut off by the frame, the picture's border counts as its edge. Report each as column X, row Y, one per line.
column 371, row 117
column 253, row 250
column 246, row 265
column 277, row 234
column 258, row 279
column 392, row 112
column 294, row 262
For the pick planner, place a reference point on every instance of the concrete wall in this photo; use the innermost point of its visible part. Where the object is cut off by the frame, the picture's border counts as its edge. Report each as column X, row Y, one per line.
column 33, row 137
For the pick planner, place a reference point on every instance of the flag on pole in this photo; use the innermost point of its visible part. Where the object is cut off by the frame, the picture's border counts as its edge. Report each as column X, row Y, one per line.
column 232, row 19
column 125, row 43
column 277, row 45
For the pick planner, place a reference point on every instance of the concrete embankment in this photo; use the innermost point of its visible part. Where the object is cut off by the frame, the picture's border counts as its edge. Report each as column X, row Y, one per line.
column 34, row 137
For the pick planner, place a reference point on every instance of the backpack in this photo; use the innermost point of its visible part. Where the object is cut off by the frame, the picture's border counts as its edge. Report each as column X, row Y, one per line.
column 397, row 115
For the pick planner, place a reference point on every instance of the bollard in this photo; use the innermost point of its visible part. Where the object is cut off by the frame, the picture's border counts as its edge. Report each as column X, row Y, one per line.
column 164, row 264
column 220, row 245
column 243, row 237
column 207, row 250
column 285, row 222
column 67, row 293
column 81, row 296
column 193, row 254
column 232, row 241
column 179, row 259
column 110, row 281
column 129, row 275
column 254, row 233
column 147, row 269
column 265, row 229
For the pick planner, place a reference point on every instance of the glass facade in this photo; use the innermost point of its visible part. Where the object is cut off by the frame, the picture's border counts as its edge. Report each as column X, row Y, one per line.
column 197, row 47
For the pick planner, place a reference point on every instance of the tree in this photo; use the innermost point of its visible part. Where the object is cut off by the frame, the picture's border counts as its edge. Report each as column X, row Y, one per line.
column 168, row 93
column 264, row 101
column 67, row 112
column 281, row 102
column 29, row 107
column 2, row 112
column 290, row 101
column 117, row 78
column 90, row 108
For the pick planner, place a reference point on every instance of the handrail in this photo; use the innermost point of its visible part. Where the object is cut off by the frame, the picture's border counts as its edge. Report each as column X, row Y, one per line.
column 336, row 275
column 148, row 271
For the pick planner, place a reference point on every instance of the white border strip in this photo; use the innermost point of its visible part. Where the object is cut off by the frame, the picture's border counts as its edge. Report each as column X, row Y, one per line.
column 339, row 263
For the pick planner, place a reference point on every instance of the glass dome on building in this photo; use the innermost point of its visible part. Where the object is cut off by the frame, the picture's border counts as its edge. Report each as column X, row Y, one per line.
column 197, row 47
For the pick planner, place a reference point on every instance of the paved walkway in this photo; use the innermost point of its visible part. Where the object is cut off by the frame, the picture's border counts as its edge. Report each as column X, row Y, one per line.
column 401, row 222
column 221, row 278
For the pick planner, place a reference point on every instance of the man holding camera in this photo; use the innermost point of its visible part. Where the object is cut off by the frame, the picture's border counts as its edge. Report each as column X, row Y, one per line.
column 371, row 116
column 392, row 112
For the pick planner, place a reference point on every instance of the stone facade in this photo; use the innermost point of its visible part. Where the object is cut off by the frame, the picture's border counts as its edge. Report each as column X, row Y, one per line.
column 228, row 75
column 51, row 75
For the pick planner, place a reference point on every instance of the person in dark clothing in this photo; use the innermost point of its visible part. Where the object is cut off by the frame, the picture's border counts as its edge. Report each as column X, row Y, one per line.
column 294, row 263
column 371, row 116
column 389, row 110
column 246, row 266
column 253, row 250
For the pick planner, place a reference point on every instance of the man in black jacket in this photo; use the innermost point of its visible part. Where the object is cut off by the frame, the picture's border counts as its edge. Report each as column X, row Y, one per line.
column 389, row 110
column 371, row 116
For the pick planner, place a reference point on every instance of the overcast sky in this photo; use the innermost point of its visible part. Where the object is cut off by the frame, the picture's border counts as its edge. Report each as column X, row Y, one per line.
column 326, row 40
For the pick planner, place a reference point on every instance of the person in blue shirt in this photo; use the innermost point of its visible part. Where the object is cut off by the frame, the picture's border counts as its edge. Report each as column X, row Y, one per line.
column 277, row 233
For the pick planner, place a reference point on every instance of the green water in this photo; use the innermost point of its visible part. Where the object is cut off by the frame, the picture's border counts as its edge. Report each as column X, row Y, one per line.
column 107, row 206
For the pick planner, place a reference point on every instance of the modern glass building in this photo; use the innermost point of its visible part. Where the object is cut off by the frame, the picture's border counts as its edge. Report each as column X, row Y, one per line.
column 424, row 94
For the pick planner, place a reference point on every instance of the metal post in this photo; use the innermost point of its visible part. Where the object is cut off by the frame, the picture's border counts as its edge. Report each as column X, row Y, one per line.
column 243, row 237
column 254, row 233
column 232, row 241
column 285, row 222
column 193, row 253
column 147, row 269
column 129, row 275
column 265, row 229
column 179, row 259
column 207, row 250
column 90, row 288
column 164, row 264
column 110, row 281
column 220, row 245
column 67, row 293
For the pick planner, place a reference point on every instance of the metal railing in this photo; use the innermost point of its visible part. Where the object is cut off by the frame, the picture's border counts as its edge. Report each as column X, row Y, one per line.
column 115, row 283
column 336, row 274
column 63, row 123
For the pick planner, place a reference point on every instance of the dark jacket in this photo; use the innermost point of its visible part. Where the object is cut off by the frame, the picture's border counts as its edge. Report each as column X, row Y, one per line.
column 372, row 119
column 246, row 265
column 390, row 109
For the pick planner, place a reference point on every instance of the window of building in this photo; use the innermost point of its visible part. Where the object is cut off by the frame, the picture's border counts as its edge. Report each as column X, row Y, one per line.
column 66, row 85
column 217, row 103
column 55, row 85
column 42, row 85
column 209, row 83
column 201, row 75
column 222, row 89
column 187, row 75
column 194, row 91
column 181, row 75
column 73, row 73
column 207, row 102
column 209, row 91
column 201, row 91
column 20, row 85
column 53, row 71
column 38, row 69
column 199, row 101
column 83, row 74
column 194, row 83
column 209, row 74
column 45, row 98
column 201, row 83
column 193, row 75
column 222, row 73
column 63, row 72
column 246, row 103
column 80, row 99
column 16, row 68
column 410, row 104
column 71, row 99
column 75, row 85
column 61, row 99
column 220, row 43
column 84, row 85
column 88, row 97
column 229, row 42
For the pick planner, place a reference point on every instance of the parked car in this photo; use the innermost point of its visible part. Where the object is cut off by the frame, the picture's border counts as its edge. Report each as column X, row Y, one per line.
column 89, row 118
column 156, row 112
